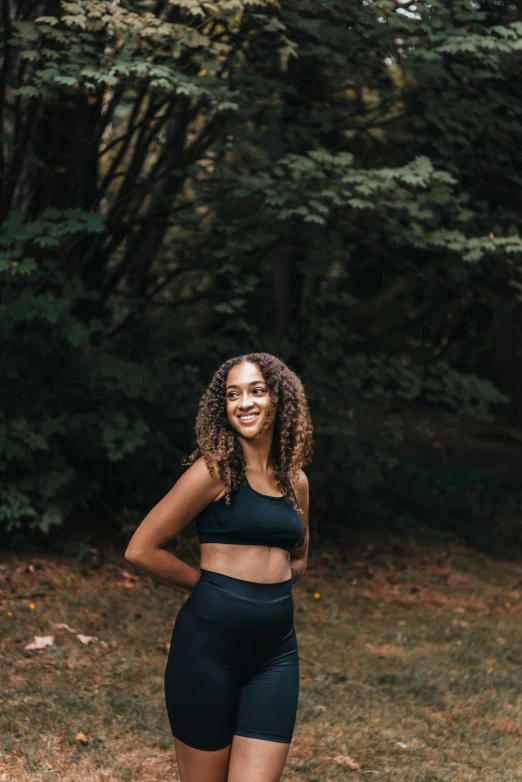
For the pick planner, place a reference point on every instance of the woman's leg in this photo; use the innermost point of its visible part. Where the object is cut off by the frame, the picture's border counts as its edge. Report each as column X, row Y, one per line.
column 201, row 696
column 256, row 760
column 266, row 716
column 196, row 765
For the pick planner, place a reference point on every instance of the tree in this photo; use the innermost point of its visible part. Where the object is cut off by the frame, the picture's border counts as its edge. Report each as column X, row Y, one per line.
column 183, row 181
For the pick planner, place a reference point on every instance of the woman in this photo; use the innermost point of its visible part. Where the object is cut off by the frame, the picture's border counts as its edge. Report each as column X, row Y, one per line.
column 232, row 676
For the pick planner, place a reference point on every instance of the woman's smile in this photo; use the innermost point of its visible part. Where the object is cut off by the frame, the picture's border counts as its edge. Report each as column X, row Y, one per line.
column 248, row 418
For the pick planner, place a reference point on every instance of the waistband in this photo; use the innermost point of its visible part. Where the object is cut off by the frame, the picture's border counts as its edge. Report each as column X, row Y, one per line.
column 248, row 589
column 244, row 605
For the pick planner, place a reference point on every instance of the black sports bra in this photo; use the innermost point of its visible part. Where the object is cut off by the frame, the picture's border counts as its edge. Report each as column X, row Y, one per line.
column 252, row 518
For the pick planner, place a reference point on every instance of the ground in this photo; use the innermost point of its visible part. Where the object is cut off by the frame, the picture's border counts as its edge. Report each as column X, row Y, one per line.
column 410, row 662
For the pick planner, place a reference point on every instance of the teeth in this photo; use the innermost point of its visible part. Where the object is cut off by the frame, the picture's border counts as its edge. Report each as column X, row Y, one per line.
column 248, row 417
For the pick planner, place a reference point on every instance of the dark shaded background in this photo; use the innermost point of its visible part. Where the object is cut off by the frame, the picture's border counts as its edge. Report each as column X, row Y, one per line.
column 335, row 183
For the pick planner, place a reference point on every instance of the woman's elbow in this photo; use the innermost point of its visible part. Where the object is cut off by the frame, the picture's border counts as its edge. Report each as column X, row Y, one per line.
column 134, row 555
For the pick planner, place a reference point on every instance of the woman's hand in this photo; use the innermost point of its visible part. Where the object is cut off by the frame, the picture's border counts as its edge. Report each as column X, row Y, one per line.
column 299, row 554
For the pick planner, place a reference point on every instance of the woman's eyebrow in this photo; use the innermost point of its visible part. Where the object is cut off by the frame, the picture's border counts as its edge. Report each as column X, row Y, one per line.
column 252, row 383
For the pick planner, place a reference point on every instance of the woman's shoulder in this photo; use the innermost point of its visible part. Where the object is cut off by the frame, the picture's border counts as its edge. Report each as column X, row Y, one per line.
column 302, row 479
column 200, row 473
column 300, row 485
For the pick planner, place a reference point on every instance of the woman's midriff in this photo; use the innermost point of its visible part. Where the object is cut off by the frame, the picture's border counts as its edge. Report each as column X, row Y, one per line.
column 251, row 563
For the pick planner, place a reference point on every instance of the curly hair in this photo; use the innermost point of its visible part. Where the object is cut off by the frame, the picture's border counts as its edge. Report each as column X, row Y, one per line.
column 217, row 440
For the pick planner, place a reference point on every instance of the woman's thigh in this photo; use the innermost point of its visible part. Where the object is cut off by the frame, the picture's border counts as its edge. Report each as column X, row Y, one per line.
column 201, row 693
column 266, row 716
column 268, row 701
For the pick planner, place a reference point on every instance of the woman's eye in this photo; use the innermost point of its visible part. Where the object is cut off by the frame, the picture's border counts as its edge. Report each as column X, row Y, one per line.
column 233, row 394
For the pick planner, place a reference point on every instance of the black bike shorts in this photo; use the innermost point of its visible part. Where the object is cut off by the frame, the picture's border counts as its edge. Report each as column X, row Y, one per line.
column 233, row 666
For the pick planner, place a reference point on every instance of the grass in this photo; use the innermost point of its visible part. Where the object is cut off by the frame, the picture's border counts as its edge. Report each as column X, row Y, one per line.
column 410, row 669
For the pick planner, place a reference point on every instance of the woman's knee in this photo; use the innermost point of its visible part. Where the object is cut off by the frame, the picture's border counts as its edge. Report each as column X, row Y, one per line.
column 256, row 760
column 197, row 765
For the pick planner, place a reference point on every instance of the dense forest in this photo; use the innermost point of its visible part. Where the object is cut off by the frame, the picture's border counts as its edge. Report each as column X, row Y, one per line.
column 336, row 183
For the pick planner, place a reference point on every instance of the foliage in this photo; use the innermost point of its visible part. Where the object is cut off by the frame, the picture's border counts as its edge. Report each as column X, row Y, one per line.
column 472, row 505
column 183, row 181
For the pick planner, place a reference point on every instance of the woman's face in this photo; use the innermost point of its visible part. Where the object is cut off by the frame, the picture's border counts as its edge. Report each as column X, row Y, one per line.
column 249, row 405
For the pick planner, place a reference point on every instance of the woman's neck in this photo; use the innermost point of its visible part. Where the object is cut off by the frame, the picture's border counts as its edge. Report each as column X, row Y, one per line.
column 258, row 454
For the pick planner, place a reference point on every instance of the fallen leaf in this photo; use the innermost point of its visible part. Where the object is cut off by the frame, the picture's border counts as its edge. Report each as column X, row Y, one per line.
column 348, row 761
column 62, row 626
column 126, row 584
column 86, row 639
column 82, row 738
column 501, row 641
column 40, row 642
column 129, row 576
column 384, row 650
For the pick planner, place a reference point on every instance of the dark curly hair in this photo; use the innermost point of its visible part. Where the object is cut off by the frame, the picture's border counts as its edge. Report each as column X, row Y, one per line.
column 217, row 440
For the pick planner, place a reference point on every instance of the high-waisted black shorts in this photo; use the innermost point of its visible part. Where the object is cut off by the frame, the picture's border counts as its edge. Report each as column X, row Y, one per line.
column 233, row 666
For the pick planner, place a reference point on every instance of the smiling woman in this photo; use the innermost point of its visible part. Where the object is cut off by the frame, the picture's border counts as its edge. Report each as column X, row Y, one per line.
column 249, row 403
column 232, row 677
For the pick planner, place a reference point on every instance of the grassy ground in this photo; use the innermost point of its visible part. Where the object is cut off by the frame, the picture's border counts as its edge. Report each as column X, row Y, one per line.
column 410, row 669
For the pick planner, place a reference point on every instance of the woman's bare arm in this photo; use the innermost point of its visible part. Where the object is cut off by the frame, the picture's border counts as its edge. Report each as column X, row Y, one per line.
column 299, row 554
column 194, row 490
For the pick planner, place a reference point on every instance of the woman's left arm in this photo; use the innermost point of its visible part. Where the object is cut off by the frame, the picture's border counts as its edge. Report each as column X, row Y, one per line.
column 299, row 554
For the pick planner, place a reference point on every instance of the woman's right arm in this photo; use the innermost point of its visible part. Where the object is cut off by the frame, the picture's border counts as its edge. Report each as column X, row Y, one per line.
column 194, row 490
